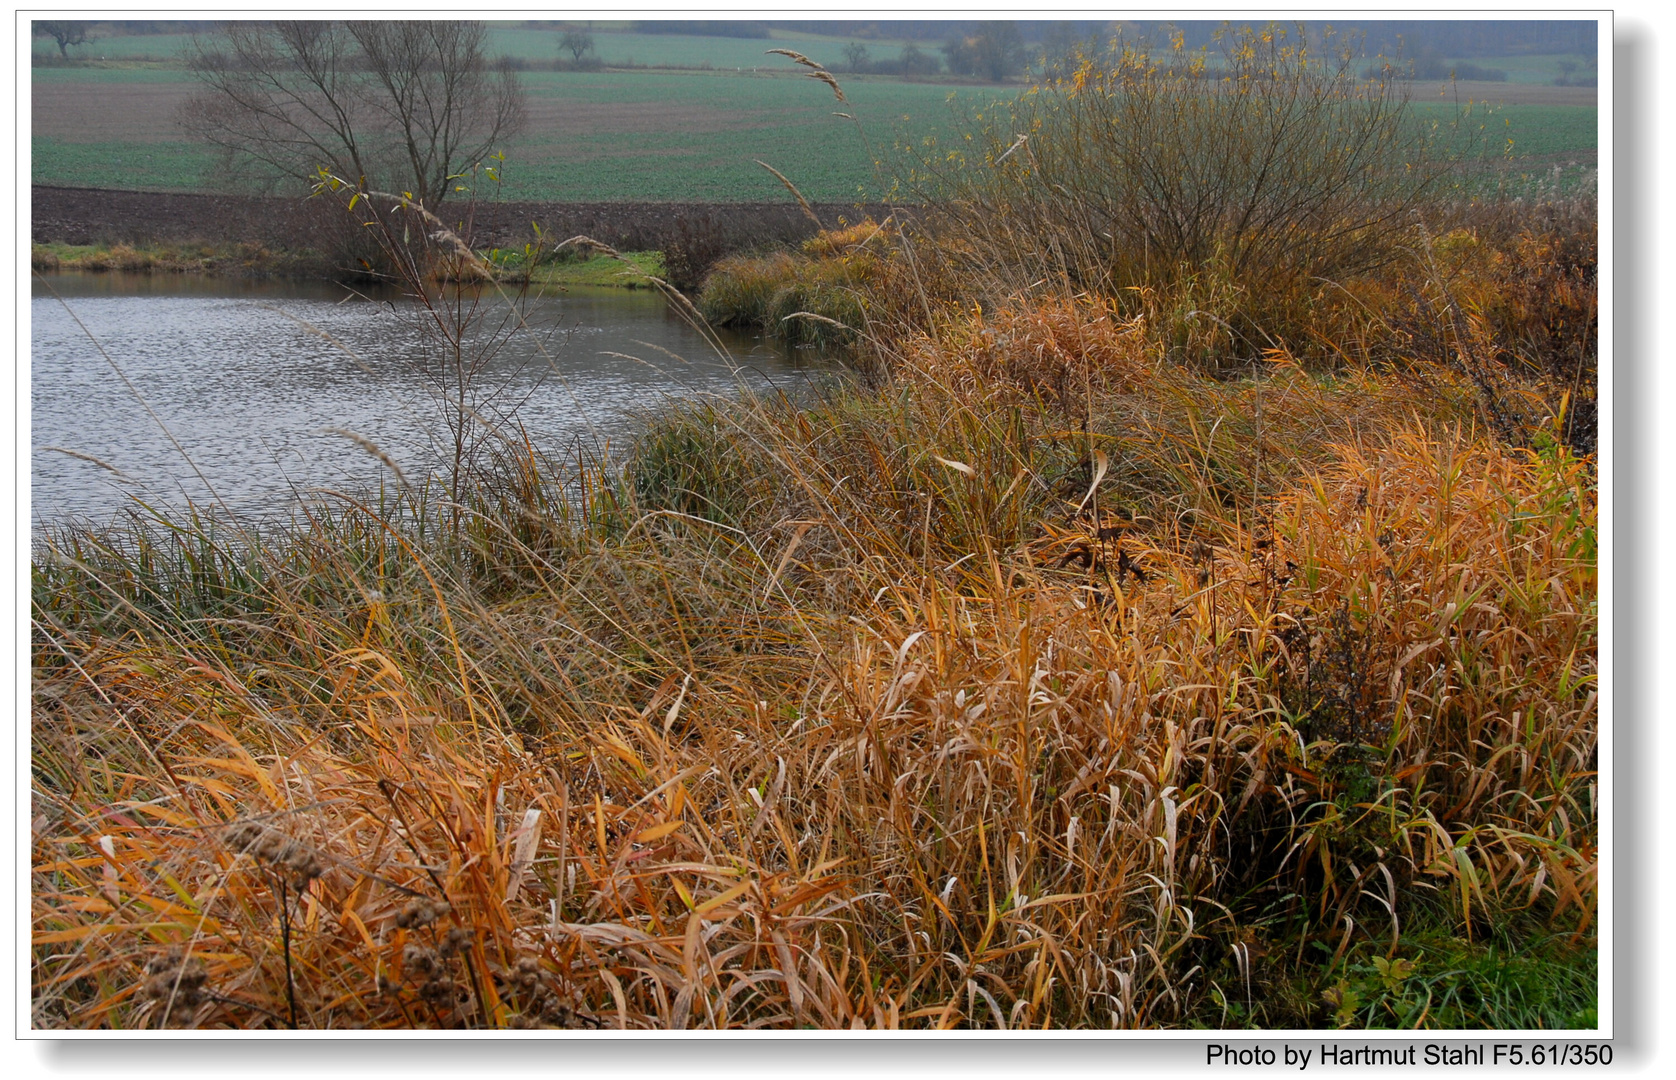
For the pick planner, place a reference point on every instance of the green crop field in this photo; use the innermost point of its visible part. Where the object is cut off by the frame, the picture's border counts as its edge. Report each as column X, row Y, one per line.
column 131, row 166
column 111, row 77
column 1541, row 131
column 645, row 135
column 628, row 136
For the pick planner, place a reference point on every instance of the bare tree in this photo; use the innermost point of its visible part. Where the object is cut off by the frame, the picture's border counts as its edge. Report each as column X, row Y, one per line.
column 994, row 52
column 65, row 33
column 577, row 43
column 402, row 105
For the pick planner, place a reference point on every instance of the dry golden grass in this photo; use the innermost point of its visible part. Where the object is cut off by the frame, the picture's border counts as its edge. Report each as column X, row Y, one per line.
column 1049, row 685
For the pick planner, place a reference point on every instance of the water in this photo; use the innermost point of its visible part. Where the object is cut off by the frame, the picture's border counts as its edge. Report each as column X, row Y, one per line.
column 257, row 400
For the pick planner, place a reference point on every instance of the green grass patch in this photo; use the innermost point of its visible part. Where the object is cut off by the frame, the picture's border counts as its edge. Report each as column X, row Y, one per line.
column 1439, row 980
column 598, row 271
column 1543, row 130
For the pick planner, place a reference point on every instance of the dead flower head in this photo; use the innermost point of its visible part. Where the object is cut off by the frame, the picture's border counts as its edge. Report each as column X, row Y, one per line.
column 269, row 845
column 172, row 977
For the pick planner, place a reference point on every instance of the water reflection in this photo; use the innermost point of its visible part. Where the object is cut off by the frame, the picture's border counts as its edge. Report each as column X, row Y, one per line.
column 257, row 381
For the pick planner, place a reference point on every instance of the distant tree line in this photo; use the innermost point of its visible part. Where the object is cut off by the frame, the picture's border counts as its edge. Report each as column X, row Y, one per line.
column 705, row 28
column 911, row 62
column 993, row 51
column 1426, row 63
column 1401, row 38
column 1391, row 37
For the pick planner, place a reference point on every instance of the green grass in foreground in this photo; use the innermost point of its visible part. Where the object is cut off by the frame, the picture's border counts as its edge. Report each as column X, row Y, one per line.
column 1438, row 979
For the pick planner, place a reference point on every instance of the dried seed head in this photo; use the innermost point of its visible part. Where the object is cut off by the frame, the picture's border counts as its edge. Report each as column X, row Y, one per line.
column 271, row 846
column 419, row 912
column 438, row 991
column 556, row 1014
column 172, row 977
column 418, row 959
column 455, row 940
column 165, row 961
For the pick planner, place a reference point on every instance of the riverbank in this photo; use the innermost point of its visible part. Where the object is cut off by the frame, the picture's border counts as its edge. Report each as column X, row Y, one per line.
column 287, row 233
column 247, row 260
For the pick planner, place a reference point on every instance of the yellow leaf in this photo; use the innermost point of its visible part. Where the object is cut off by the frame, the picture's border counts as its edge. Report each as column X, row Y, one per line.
column 717, row 901
column 658, row 832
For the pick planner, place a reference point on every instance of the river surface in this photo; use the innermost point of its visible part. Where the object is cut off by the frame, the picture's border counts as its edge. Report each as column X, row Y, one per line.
column 274, row 391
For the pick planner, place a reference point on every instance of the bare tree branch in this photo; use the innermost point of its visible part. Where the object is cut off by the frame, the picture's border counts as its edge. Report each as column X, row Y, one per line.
column 406, row 105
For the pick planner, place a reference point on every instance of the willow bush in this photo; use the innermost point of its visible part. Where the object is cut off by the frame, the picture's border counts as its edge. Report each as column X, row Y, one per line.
column 1239, row 182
